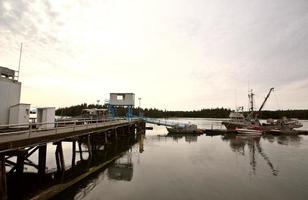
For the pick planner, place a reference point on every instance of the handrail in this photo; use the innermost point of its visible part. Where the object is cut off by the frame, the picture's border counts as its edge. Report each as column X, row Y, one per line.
column 69, row 124
column 56, row 122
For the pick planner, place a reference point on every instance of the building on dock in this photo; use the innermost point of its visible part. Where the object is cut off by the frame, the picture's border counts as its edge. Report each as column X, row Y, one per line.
column 10, row 89
column 121, row 100
column 46, row 117
column 19, row 114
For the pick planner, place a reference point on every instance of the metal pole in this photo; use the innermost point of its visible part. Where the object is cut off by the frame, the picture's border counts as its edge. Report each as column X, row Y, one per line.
column 19, row 61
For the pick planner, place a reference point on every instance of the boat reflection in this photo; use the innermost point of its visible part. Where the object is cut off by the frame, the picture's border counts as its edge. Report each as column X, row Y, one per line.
column 238, row 144
column 292, row 140
column 188, row 137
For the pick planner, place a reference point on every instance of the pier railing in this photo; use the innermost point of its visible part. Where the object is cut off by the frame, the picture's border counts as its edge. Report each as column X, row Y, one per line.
column 56, row 126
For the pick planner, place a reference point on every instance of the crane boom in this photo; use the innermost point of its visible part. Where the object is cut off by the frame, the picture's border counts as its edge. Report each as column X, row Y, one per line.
column 269, row 93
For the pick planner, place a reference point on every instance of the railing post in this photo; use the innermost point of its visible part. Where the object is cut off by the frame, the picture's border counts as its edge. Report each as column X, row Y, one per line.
column 30, row 130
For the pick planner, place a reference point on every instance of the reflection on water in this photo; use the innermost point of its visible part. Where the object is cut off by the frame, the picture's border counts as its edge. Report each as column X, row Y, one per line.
column 122, row 169
column 238, row 143
column 177, row 137
column 173, row 166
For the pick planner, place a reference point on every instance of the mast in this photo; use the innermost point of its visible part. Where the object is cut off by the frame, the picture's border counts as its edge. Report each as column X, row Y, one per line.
column 263, row 104
column 251, row 100
column 251, row 104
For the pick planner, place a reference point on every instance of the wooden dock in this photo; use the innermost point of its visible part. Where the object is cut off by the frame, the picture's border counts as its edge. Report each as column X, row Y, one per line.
column 214, row 132
column 22, row 144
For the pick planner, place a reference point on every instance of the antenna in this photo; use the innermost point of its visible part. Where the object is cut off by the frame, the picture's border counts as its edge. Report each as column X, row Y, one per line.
column 19, row 60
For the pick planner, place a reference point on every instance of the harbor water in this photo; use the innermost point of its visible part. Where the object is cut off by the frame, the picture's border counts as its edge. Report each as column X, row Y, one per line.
column 161, row 166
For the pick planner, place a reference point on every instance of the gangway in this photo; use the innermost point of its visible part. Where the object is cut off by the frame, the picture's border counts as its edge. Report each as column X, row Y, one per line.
column 163, row 122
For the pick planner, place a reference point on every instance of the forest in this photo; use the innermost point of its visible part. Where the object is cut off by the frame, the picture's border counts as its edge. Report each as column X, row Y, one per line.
column 202, row 113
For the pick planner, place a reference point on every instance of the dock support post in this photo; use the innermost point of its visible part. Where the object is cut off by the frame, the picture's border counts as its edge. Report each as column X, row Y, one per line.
column 73, row 153
column 89, row 146
column 116, row 134
column 60, row 157
column 80, row 150
column 106, row 140
column 20, row 166
column 3, row 186
column 42, row 160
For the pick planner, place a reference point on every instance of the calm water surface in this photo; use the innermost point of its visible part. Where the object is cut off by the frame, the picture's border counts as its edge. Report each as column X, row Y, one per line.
column 203, row 167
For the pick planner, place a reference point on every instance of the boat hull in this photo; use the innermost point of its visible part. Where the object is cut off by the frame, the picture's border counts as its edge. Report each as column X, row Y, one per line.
column 249, row 131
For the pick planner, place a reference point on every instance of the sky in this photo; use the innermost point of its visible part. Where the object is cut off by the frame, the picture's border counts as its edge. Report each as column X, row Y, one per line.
column 173, row 54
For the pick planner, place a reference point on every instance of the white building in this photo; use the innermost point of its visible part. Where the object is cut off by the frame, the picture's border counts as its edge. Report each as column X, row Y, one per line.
column 46, row 116
column 9, row 93
column 122, row 99
column 19, row 114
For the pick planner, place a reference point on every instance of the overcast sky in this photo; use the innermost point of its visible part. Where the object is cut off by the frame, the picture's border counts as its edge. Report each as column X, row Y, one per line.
column 174, row 54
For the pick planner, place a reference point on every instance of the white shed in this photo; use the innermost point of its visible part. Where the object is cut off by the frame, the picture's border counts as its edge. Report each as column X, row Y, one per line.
column 19, row 114
column 46, row 115
column 122, row 99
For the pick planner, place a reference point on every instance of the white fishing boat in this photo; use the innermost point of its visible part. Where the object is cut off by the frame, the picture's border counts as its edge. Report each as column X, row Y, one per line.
column 237, row 120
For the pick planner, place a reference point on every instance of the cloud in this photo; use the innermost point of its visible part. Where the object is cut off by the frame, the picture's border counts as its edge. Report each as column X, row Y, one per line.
column 168, row 52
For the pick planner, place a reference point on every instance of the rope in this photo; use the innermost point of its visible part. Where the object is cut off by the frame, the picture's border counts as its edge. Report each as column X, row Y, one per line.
column 277, row 101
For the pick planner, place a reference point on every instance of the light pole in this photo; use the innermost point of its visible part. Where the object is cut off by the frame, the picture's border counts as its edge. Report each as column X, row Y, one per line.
column 139, row 102
column 139, row 106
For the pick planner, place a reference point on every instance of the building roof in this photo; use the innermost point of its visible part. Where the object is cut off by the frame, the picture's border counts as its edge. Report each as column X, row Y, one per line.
column 9, row 73
column 46, row 107
column 19, row 104
column 121, row 93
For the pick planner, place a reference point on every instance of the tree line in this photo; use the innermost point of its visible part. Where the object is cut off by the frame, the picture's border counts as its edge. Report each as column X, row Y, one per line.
column 203, row 113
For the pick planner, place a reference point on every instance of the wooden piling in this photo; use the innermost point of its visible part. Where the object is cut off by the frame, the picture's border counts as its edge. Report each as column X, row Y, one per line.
column 73, row 153
column 80, row 150
column 60, row 157
column 106, row 139
column 3, row 186
column 116, row 134
column 89, row 146
column 42, row 160
column 20, row 166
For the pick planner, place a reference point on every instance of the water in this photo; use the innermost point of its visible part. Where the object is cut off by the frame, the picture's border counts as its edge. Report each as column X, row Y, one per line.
column 203, row 167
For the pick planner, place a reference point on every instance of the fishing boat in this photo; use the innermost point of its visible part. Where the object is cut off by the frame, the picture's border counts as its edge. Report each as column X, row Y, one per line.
column 284, row 124
column 237, row 120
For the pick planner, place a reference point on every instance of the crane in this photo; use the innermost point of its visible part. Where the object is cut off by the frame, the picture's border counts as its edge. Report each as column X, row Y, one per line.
column 269, row 93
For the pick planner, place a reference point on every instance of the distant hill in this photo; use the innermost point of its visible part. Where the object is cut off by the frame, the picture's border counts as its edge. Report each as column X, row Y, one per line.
column 203, row 113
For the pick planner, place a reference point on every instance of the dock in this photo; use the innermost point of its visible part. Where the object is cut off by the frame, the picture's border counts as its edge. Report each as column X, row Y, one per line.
column 24, row 143
column 214, row 132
